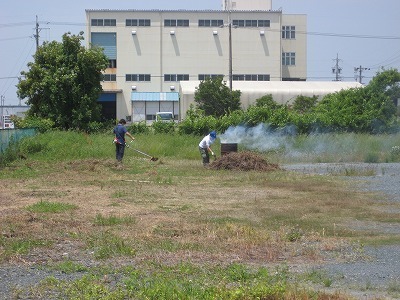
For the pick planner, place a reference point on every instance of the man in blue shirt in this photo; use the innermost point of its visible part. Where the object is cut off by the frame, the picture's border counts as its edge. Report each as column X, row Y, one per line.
column 120, row 131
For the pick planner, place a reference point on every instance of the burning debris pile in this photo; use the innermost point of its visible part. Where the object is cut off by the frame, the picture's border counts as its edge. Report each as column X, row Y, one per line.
column 243, row 161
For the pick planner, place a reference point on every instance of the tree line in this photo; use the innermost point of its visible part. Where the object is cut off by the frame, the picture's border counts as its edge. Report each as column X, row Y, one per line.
column 62, row 86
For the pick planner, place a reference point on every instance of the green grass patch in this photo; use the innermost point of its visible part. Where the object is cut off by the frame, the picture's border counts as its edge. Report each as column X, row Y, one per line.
column 107, row 245
column 11, row 247
column 112, row 220
column 182, row 281
column 50, row 207
column 69, row 267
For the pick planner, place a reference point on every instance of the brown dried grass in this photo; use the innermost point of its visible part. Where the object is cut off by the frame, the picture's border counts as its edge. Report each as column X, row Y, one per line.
column 243, row 161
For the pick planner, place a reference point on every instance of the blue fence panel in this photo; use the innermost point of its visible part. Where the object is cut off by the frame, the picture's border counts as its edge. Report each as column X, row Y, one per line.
column 8, row 135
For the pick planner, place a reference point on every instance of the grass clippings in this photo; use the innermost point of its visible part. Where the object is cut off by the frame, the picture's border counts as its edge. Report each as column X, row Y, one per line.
column 243, row 161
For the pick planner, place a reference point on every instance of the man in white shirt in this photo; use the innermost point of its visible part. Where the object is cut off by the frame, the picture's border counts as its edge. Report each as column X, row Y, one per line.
column 205, row 147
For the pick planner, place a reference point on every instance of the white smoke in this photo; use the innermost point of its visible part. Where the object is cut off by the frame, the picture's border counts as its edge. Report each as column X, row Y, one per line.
column 263, row 138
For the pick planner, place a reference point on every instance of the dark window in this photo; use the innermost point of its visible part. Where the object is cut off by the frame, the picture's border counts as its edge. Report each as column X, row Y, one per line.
column 112, row 63
column 104, row 22
column 97, row 22
column 138, row 77
column 136, row 22
column 176, row 77
column 263, row 77
column 110, row 22
column 264, row 23
column 109, row 77
column 176, row 23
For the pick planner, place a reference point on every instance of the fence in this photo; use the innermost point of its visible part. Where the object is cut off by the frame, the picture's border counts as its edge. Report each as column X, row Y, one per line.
column 8, row 135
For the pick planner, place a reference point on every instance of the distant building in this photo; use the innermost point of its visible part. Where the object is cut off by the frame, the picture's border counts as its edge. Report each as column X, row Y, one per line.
column 151, row 51
column 6, row 111
column 282, row 92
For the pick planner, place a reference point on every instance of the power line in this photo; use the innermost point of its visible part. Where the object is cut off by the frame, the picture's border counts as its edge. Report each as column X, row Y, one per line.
column 344, row 35
column 16, row 38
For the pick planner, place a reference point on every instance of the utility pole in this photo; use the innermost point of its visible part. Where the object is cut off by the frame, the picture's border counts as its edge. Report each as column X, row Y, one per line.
column 2, row 111
column 228, row 8
column 230, row 50
column 36, row 35
column 360, row 69
column 337, row 69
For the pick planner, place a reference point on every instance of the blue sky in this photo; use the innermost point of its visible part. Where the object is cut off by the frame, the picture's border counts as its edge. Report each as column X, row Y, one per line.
column 362, row 33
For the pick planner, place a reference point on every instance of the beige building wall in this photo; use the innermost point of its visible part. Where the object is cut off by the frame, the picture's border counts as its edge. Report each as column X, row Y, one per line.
column 297, row 45
column 194, row 50
column 246, row 4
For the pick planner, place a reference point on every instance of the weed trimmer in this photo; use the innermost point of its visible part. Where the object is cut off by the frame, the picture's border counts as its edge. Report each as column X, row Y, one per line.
column 152, row 158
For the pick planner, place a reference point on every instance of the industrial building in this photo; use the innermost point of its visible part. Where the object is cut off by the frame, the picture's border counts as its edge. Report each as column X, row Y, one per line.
column 151, row 52
column 283, row 92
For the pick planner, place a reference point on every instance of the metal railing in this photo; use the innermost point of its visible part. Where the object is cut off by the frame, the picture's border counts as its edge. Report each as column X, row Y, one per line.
column 14, row 135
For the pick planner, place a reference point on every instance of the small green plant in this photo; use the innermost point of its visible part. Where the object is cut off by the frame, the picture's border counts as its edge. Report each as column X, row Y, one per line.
column 100, row 220
column 371, row 157
column 106, row 245
column 318, row 277
column 50, row 207
column 395, row 153
column 294, row 234
column 18, row 246
column 69, row 267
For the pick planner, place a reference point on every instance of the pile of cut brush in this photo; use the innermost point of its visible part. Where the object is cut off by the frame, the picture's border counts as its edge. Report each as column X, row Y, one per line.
column 243, row 161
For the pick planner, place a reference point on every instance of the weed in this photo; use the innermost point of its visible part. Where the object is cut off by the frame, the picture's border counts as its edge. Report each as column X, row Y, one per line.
column 318, row 277
column 19, row 246
column 107, row 245
column 100, row 220
column 69, row 267
column 50, row 207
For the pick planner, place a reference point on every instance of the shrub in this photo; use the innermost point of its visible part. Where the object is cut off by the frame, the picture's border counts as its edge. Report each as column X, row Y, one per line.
column 163, row 127
column 41, row 125
column 138, row 127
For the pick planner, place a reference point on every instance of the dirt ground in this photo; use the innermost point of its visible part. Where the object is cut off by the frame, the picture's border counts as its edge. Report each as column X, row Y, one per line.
column 163, row 208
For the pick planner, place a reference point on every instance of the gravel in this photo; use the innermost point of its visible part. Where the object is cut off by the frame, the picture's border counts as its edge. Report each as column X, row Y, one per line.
column 379, row 271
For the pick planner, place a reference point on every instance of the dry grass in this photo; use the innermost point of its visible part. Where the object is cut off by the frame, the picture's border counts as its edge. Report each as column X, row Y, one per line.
column 182, row 211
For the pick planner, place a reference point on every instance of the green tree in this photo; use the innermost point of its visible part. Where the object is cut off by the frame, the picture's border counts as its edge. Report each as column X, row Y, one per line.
column 268, row 101
column 63, row 83
column 215, row 98
column 388, row 82
column 356, row 110
column 303, row 104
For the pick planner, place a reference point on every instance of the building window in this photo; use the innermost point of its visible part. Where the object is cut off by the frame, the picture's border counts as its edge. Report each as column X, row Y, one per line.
column 176, row 77
column 251, row 77
column 138, row 22
column 251, row 23
column 206, row 76
column 288, row 58
column 112, row 63
column 138, row 77
column 211, row 23
column 176, row 23
column 109, row 77
column 104, row 22
column 263, row 77
column 289, row 32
